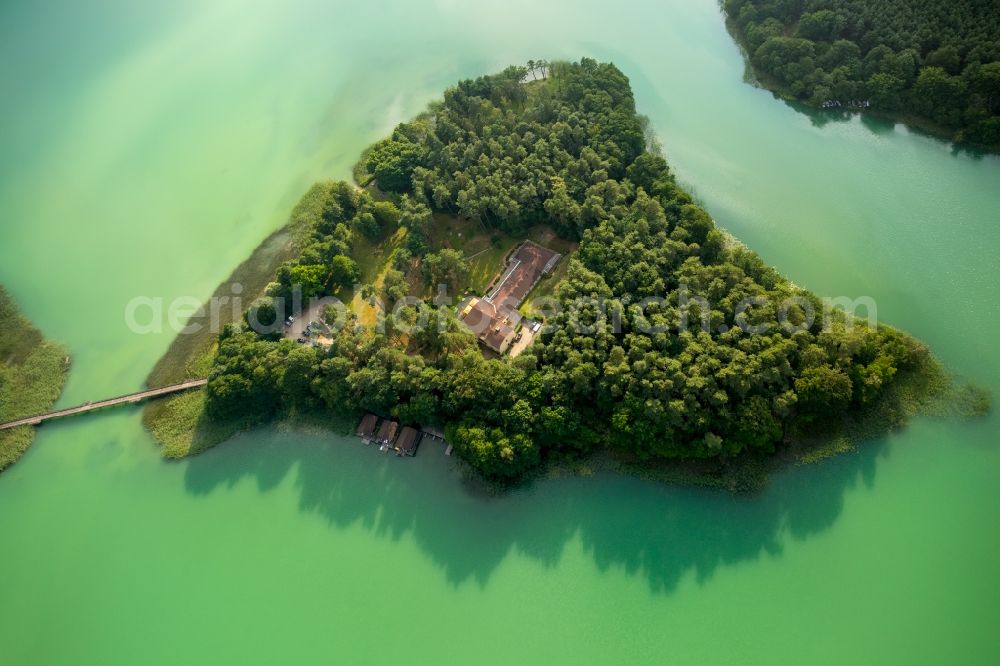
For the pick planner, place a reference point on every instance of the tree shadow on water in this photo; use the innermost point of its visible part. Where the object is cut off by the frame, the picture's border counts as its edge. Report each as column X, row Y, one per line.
column 883, row 124
column 651, row 530
column 870, row 120
column 877, row 125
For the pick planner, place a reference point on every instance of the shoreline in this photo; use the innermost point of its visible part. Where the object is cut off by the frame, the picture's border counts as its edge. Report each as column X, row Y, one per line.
column 913, row 123
column 182, row 427
column 177, row 423
column 33, row 374
column 928, row 392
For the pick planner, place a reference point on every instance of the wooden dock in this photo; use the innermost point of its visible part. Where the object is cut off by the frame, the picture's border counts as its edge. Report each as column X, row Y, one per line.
column 129, row 399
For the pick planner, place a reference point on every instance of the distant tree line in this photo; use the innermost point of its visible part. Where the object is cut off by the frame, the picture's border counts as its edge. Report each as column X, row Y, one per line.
column 935, row 59
column 571, row 152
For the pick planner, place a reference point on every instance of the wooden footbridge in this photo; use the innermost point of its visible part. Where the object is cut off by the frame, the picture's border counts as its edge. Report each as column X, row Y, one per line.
column 129, row 399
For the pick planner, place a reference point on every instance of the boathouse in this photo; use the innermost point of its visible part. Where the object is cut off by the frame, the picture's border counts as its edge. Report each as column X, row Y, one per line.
column 367, row 427
column 387, row 432
column 408, row 441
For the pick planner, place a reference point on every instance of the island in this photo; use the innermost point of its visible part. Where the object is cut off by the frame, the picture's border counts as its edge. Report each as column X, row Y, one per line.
column 33, row 371
column 518, row 270
column 934, row 64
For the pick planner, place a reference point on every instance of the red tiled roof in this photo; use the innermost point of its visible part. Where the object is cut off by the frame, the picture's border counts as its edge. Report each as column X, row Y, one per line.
column 494, row 318
column 532, row 260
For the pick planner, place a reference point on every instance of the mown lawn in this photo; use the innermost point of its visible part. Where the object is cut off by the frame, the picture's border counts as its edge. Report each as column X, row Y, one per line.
column 484, row 249
column 374, row 259
column 544, row 291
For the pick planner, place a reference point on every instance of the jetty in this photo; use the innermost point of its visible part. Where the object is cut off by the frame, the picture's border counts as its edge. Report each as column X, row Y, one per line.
column 129, row 399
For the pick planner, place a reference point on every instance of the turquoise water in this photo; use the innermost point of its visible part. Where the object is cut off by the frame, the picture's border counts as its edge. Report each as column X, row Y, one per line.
column 146, row 150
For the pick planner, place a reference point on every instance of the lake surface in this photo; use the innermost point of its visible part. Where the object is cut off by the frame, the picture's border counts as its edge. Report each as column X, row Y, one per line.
column 146, row 149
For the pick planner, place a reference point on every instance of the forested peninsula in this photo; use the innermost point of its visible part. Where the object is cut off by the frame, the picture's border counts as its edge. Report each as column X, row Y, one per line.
column 934, row 64
column 645, row 351
column 33, row 372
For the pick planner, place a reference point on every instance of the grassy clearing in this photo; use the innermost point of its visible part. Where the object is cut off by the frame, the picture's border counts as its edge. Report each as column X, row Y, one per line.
column 485, row 249
column 32, row 375
column 374, row 260
column 373, row 257
column 485, row 267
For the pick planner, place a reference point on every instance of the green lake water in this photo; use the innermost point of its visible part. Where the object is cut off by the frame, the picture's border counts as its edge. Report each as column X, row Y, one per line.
column 146, row 148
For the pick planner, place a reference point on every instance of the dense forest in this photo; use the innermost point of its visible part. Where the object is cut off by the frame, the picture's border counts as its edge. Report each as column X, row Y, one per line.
column 936, row 60
column 615, row 366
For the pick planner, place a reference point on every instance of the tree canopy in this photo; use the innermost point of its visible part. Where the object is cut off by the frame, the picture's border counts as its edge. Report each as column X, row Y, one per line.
column 936, row 59
column 649, row 351
column 324, row 264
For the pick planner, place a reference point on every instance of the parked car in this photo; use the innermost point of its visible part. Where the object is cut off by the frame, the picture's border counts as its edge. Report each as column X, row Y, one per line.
column 302, row 341
column 289, row 321
column 520, row 334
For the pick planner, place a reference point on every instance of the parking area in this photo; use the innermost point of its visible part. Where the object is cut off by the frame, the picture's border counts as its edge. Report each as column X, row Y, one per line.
column 529, row 330
column 297, row 329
